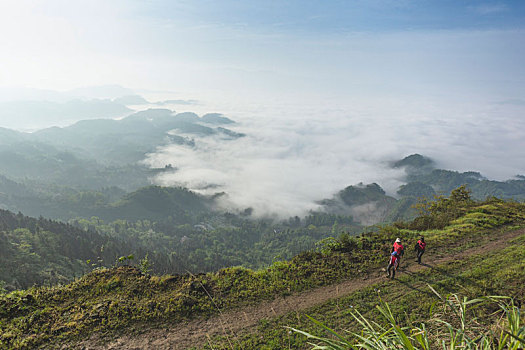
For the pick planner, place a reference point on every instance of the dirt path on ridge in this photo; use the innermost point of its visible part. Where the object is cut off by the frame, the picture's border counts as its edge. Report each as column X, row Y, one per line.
column 231, row 322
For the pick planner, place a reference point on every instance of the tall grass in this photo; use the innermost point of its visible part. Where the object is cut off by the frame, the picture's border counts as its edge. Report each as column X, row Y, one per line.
column 457, row 326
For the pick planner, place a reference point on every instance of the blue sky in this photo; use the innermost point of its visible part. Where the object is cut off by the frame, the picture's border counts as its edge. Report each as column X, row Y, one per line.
column 346, row 16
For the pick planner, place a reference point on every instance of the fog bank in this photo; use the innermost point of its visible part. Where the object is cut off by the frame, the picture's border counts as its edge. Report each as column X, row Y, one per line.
column 292, row 157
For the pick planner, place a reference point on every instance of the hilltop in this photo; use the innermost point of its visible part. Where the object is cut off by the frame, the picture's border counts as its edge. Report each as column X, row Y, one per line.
column 96, row 153
column 107, row 303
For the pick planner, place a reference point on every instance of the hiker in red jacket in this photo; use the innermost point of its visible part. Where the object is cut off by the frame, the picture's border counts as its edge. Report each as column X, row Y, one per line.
column 395, row 257
column 398, row 247
column 420, row 248
column 393, row 263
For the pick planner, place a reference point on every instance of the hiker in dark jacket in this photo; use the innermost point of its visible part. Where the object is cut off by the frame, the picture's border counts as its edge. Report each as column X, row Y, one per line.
column 420, row 248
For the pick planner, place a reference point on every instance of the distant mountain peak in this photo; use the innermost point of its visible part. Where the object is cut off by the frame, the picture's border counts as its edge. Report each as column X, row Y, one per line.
column 150, row 114
column 189, row 117
column 216, row 118
column 415, row 161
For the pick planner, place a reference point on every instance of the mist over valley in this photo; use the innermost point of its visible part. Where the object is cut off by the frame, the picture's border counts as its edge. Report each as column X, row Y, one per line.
column 277, row 167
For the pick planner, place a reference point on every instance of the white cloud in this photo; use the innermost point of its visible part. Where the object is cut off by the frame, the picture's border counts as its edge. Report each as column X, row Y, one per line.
column 289, row 160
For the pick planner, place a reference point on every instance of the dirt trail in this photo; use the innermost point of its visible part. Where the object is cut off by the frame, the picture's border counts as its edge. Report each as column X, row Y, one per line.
column 196, row 332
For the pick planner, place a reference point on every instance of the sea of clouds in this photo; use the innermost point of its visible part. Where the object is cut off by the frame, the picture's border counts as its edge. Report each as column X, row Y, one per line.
column 294, row 155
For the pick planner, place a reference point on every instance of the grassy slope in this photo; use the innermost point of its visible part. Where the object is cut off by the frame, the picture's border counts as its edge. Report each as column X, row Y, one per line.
column 120, row 300
column 501, row 272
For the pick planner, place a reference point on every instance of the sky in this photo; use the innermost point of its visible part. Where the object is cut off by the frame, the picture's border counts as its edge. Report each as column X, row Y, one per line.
column 328, row 91
column 317, row 47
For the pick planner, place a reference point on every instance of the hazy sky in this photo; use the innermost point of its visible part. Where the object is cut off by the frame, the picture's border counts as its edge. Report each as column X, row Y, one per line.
column 329, row 89
column 249, row 48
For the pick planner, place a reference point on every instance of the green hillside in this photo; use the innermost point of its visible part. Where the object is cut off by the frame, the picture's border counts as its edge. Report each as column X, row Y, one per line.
column 412, row 302
column 47, row 252
column 175, row 227
column 110, row 302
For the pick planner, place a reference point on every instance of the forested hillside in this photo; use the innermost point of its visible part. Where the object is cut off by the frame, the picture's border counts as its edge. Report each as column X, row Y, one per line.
column 110, row 302
column 180, row 230
column 42, row 251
